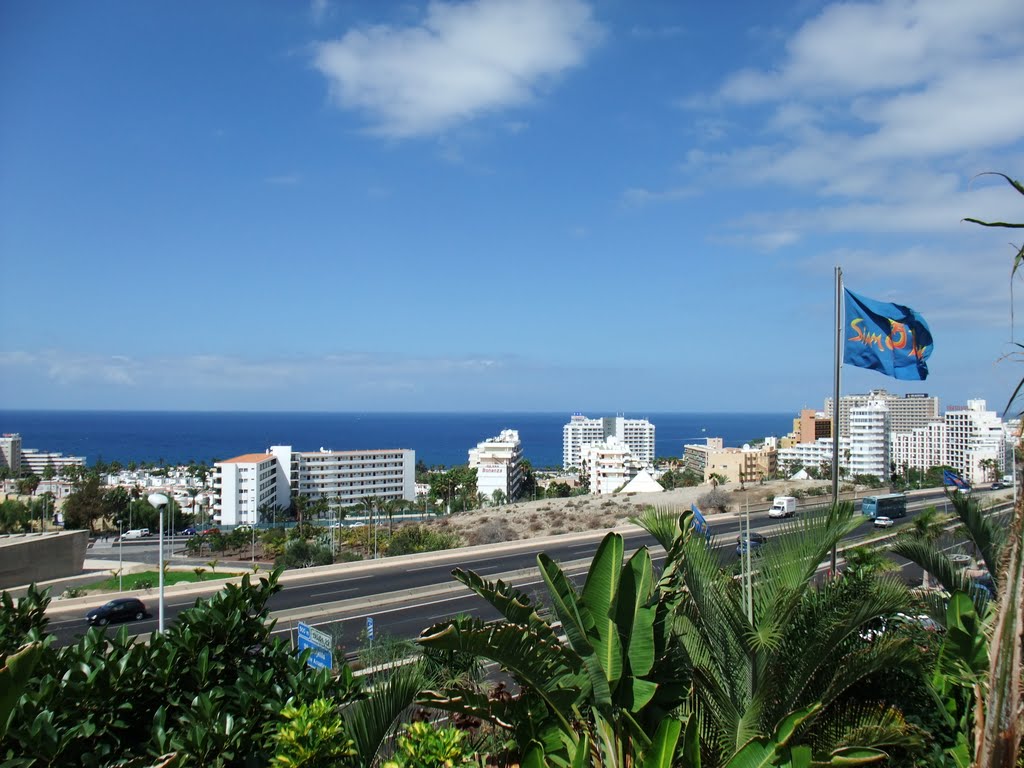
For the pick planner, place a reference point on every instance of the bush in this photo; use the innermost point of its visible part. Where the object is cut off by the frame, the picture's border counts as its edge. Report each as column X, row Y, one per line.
column 492, row 532
column 108, row 698
column 419, row 538
column 715, row 499
column 300, row 553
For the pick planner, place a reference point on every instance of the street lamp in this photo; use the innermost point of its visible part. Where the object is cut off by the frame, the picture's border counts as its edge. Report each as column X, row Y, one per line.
column 120, row 555
column 159, row 501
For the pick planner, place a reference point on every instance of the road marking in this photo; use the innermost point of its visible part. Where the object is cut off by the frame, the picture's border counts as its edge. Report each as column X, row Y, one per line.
column 334, row 592
column 454, row 564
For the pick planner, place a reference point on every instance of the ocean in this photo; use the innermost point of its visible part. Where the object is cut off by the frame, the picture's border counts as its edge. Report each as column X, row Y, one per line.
column 437, row 438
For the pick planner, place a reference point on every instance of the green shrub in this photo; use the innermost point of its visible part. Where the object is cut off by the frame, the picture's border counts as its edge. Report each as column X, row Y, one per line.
column 419, row 538
column 313, row 736
column 421, row 745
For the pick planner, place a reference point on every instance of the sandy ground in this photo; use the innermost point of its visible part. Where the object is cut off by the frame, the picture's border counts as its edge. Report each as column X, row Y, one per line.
column 546, row 517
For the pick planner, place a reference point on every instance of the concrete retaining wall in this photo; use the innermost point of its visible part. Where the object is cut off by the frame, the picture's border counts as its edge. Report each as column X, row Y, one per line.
column 29, row 557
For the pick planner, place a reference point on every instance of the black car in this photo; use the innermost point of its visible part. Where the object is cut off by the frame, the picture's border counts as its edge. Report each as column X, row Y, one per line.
column 121, row 609
column 757, row 541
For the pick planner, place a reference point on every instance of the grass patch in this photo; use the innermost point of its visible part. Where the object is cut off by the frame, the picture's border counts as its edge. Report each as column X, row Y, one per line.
column 151, row 579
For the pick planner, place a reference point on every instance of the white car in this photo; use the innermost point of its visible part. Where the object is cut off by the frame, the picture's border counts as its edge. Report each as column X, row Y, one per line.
column 884, row 522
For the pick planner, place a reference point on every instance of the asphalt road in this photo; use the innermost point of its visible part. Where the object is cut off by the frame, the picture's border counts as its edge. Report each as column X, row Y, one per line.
column 340, row 603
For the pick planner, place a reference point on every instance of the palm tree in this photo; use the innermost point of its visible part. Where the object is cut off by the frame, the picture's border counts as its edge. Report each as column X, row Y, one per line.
column 786, row 643
column 984, row 532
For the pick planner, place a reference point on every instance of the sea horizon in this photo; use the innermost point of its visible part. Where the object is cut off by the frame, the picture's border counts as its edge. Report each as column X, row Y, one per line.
column 438, row 437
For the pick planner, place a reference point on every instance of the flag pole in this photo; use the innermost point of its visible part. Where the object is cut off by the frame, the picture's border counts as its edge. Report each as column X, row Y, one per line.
column 835, row 404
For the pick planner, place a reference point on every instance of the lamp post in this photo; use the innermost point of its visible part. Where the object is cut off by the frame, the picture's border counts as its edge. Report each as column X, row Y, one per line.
column 120, row 555
column 159, row 501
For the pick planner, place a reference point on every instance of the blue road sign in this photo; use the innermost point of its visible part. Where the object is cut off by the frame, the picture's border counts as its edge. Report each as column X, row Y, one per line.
column 319, row 643
column 369, row 628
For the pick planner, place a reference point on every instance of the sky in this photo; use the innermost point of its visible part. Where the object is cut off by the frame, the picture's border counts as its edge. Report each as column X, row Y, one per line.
column 499, row 205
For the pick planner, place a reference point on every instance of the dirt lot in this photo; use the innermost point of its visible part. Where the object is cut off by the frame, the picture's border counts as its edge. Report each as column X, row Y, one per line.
column 545, row 517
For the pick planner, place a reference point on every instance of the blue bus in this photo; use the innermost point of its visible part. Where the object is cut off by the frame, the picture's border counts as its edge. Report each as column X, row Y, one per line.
column 889, row 505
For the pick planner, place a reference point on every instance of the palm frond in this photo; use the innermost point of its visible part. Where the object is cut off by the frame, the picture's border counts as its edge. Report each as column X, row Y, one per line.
column 371, row 720
column 665, row 524
column 513, row 604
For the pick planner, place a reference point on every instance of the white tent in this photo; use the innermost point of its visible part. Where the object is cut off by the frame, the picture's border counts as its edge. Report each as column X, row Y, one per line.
column 642, row 483
column 801, row 475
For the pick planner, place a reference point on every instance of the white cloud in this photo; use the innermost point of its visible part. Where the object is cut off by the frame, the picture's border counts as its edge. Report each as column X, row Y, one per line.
column 852, row 48
column 463, row 60
column 638, row 196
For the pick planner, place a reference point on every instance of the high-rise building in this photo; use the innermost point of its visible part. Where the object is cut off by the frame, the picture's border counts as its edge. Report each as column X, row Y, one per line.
column 498, row 463
column 906, row 412
column 970, row 439
column 869, row 439
column 345, row 478
column 10, row 452
column 246, row 485
column 636, row 434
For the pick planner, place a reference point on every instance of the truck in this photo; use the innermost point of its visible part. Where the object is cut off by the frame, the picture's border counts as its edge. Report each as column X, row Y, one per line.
column 783, row 506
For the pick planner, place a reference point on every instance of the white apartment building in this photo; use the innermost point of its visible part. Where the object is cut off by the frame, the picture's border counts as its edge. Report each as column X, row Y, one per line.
column 967, row 436
column 36, row 462
column 869, row 439
column 636, row 434
column 906, row 412
column 920, row 448
column 498, row 463
column 608, row 465
column 10, row 452
column 246, row 484
column 812, row 454
column 345, row 478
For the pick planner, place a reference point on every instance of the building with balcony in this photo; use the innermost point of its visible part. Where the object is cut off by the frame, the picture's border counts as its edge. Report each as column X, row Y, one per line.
column 906, row 412
column 868, row 445
column 10, row 452
column 608, row 465
column 247, row 485
column 345, row 478
column 635, row 434
column 747, row 464
column 499, row 465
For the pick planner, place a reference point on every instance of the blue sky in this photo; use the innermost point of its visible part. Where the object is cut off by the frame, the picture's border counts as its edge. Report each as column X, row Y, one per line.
column 498, row 205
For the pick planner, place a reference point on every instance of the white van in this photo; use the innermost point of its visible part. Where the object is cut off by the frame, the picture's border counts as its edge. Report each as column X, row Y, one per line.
column 783, row 506
column 136, row 533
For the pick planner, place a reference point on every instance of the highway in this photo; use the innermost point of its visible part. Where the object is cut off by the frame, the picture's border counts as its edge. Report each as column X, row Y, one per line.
column 405, row 595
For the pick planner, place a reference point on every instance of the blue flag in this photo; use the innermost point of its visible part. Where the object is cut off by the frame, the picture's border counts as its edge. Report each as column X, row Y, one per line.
column 952, row 478
column 888, row 338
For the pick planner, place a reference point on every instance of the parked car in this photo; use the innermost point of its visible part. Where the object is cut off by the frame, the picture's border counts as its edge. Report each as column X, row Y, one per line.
column 188, row 532
column 884, row 522
column 997, row 485
column 121, row 609
column 757, row 540
column 209, row 531
column 243, row 528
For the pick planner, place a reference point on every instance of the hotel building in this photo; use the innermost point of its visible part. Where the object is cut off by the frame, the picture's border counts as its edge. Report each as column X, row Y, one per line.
column 608, row 465
column 636, row 434
column 746, row 464
column 498, row 464
column 967, row 439
column 905, row 413
column 246, row 484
